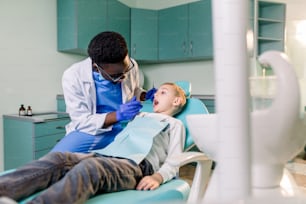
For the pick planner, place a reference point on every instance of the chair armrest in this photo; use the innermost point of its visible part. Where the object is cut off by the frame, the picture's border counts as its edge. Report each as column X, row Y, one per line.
column 188, row 157
column 202, row 172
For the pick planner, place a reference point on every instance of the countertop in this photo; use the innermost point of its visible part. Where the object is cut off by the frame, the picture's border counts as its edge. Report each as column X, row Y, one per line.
column 39, row 117
column 203, row 96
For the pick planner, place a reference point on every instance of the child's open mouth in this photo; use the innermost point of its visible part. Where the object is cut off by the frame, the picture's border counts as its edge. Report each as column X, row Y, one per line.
column 155, row 102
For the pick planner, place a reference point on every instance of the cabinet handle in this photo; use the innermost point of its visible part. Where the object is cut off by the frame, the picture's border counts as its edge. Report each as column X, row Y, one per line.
column 184, row 47
column 134, row 49
column 60, row 127
column 191, row 47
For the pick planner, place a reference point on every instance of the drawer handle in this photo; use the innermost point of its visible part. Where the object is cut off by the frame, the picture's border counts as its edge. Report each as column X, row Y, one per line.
column 60, row 127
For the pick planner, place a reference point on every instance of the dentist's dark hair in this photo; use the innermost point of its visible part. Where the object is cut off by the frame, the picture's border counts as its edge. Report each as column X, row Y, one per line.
column 107, row 47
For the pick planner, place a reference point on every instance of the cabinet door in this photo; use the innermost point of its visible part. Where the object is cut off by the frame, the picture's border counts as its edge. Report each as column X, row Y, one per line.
column 200, row 30
column 118, row 19
column 144, row 34
column 25, row 140
column 66, row 21
column 80, row 20
column 61, row 105
column 91, row 19
column 173, row 33
column 18, row 142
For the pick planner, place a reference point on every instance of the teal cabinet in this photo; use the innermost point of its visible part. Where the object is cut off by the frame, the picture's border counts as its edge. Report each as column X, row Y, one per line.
column 200, row 29
column 209, row 101
column 270, row 26
column 173, row 33
column 210, row 105
column 28, row 138
column 60, row 103
column 185, row 32
column 80, row 20
column 144, row 35
column 119, row 19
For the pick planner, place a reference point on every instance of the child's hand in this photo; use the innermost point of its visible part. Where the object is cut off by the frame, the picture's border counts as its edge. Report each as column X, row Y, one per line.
column 150, row 182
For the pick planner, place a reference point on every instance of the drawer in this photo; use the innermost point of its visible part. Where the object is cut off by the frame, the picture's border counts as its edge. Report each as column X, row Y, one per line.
column 39, row 154
column 50, row 127
column 48, row 141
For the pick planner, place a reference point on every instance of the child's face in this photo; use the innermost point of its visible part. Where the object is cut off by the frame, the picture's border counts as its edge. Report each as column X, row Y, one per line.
column 165, row 100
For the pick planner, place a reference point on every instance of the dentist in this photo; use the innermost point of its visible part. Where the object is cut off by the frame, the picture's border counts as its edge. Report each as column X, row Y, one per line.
column 101, row 92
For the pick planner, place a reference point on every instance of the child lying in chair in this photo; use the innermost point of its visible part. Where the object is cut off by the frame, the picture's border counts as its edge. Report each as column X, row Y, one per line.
column 75, row 177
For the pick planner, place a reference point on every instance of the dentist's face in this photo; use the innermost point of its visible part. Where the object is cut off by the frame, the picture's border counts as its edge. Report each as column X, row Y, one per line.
column 115, row 72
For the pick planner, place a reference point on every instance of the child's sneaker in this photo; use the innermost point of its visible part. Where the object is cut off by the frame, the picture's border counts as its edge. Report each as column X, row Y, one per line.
column 7, row 200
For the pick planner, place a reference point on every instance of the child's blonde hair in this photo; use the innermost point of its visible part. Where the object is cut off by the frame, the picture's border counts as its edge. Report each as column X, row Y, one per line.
column 180, row 93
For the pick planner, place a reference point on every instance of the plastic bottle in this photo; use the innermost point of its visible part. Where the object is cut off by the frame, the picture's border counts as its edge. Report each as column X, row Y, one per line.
column 29, row 111
column 22, row 110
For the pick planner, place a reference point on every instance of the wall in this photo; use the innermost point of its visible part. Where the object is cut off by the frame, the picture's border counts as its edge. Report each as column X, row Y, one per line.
column 30, row 66
column 296, row 42
column 199, row 73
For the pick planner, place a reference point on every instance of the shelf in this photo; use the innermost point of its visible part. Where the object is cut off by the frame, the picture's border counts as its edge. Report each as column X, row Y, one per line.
column 266, row 39
column 270, row 45
column 270, row 26
column 269, row 21
column 271, row 10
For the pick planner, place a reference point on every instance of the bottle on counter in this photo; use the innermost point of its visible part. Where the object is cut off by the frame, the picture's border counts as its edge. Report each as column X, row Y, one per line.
column 22, row 110
column 29, row 111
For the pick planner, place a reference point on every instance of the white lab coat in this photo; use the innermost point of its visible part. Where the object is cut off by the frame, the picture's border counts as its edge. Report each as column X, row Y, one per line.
column 80, row 97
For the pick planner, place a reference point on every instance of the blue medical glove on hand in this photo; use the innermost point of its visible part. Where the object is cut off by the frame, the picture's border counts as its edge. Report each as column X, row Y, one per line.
column 150, row 94
column 128, row 110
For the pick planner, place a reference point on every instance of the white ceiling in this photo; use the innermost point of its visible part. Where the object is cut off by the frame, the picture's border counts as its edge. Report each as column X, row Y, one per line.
column 155, row 4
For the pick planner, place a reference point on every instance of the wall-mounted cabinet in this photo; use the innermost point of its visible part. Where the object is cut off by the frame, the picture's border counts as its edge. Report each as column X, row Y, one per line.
column 173, row 33
column 80, row 20
column 178, row 33
column 200, row 30
column 270, row 26
column 144, row 34
column 185, row 32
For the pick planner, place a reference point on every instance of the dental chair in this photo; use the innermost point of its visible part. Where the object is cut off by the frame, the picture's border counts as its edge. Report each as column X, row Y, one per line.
column 176, row 190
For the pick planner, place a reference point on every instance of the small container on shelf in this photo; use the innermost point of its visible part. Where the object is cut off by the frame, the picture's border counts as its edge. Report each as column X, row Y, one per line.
column 29, row 111
column 22, row 110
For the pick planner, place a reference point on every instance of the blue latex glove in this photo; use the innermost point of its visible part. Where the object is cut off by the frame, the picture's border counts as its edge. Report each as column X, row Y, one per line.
column 150, row 94
column 128, row 110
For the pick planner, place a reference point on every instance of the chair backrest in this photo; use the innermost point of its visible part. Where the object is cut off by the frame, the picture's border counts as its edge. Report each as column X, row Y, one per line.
column 193, row 106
